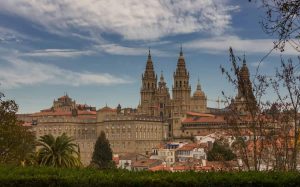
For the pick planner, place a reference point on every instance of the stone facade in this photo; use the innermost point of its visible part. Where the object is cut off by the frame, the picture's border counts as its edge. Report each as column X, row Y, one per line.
column 131, row 133
column 84, row 132
column 65, row 116
column 126, row 130
column 156, row 100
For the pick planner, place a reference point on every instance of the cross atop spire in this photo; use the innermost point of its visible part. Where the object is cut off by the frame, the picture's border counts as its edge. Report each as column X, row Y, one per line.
column 181, row 53
column 149, row 54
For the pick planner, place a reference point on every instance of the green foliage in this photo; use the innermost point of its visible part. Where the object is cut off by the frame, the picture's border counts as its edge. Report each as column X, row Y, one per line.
column 42, row 176
column 102, row 155
column 58, row 152
column 16, row 141
column 220, row 152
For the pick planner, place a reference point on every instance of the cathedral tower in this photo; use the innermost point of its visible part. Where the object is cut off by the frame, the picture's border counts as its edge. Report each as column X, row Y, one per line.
column 245, row 100
column 149, row 86
column 181, row 88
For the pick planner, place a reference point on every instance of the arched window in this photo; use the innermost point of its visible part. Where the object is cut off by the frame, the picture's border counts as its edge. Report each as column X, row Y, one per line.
column 180, row 84
column 148, row 84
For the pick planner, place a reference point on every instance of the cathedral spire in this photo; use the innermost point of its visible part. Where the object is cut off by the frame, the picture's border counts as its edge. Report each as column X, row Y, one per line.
column 198, row 85
column 149, row 71
column 181, row 69
column 244, row 72
column 181, row 53
column 244, row 60
column 181, row 60
column 162, row 77
column 149, row 54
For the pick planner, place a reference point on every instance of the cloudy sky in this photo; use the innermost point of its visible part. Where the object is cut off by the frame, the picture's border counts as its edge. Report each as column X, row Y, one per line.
column 96, row 50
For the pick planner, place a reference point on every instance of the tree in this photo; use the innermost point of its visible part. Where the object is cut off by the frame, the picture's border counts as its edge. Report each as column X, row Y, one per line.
column 286, row 85
column 16, row 141
column 245, row 112
column 220, row 152
column 102, row 155
column 58, row 152
column 282, row 18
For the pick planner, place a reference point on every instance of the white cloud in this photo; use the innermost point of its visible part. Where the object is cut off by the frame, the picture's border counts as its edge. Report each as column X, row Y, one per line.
column 9, row 35
column 132, row 19
column 18, row 73
column 109, row 48
column 133, row 51
column 59, row 53
column 256, row 64
column 221, row 44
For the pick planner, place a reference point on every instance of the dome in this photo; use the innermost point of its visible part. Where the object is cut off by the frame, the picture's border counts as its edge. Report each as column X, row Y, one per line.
column 107, row 109
column 199, row 92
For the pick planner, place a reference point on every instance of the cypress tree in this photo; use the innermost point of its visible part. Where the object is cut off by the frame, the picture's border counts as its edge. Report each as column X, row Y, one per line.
column 102, row 155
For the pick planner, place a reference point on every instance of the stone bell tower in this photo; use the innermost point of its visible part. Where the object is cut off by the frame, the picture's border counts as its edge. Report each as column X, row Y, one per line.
column 148, row 89
column 181, row 88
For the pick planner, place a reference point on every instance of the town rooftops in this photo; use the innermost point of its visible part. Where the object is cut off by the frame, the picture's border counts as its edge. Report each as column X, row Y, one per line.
column 147, row 163
column 199, row 114
column 63, row 113
column 160, row 168
column 204, row 119
column 188, row 147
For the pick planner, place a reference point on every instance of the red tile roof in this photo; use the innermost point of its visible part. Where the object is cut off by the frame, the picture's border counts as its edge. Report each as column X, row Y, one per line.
column 188, row 147
column 144, row 163
column 116, row 159
column 63, row 113
column 181, row 168
column 199, row 114
column 160, row 168
column 26, row 124
column 214, row 119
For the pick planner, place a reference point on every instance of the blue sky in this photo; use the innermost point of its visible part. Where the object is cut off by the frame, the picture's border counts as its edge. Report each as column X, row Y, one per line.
column 96, row 50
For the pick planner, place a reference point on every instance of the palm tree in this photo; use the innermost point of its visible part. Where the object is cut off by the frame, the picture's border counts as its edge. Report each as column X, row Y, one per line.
column 58, row 152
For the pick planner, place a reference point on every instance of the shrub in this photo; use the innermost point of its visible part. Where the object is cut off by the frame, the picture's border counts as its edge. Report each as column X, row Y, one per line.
column 46, row 176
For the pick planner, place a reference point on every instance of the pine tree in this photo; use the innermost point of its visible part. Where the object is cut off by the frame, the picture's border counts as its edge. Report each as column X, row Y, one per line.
column 102, row 155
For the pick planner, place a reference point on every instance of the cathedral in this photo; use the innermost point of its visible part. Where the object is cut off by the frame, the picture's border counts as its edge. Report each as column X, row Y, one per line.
column 160, row 116
column 156, row 100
